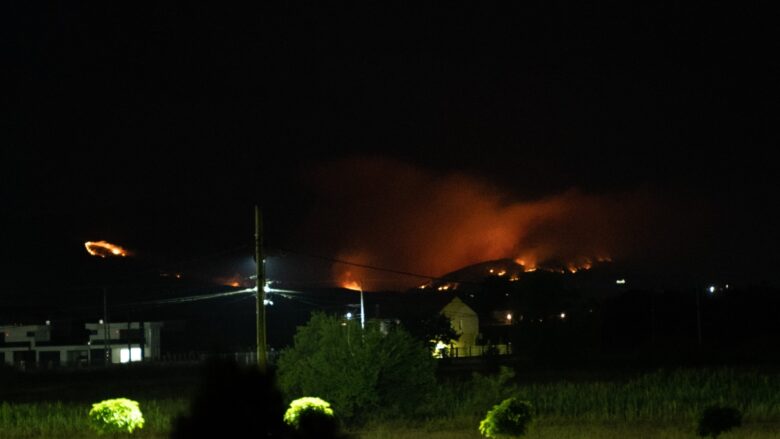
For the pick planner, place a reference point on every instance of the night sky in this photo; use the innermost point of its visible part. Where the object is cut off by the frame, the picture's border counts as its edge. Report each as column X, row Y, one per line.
column 418, row 139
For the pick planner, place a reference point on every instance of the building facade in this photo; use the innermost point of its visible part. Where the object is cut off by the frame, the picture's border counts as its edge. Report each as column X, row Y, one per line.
column 119, row 342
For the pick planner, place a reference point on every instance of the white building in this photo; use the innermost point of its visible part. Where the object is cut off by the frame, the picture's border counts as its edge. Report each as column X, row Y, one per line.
column 121, row 342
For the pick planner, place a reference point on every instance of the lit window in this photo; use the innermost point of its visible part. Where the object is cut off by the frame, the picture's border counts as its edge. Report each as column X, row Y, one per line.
column 134, row 355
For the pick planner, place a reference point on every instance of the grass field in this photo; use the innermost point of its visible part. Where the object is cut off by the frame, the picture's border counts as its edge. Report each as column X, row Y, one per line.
column 661, row 404
column 69, row 419
column 547, row 430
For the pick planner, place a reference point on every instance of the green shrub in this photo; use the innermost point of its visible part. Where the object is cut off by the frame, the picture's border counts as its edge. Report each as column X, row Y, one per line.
column 306, row 407
column 508, row 419
column 312, row 418
column 119, row 415
column 362, row 372
column 715, row 420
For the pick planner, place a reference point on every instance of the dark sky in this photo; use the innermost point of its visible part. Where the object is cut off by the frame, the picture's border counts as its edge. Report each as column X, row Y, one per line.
column 160, row 127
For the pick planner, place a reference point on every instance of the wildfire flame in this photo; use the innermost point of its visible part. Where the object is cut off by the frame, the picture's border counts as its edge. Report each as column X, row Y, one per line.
column 581, row 264
column 234, row 281
column 104, row 249
column 354, row 286
column 528, row 262
column 350, row 283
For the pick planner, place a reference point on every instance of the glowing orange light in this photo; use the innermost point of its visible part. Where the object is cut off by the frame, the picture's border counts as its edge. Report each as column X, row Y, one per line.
column 528, row 263
column 349, row 282
column 234, row 281
column 103, row 249
column 351, row 285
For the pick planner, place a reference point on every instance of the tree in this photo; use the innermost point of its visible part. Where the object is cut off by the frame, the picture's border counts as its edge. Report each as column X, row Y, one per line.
column 358, row 371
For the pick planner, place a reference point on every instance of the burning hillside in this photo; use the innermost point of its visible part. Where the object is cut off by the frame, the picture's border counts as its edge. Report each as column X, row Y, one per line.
column 388, row 214
column 508, row 269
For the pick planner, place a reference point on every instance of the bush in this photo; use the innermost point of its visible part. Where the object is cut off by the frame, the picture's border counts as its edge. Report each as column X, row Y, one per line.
column 119, row 415
column 361, row 372
column 715, row 420
column 307, row 407
column 508, row 419
column 312, row 417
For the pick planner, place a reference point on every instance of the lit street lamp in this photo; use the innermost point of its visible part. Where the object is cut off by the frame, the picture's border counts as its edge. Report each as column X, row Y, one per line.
column 362, row 311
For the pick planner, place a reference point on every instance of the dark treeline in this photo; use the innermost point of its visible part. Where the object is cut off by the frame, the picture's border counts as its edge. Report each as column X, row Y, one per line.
column 557, row 324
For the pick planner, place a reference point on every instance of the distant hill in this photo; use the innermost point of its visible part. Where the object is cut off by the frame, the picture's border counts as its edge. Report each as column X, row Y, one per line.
column 599, row 279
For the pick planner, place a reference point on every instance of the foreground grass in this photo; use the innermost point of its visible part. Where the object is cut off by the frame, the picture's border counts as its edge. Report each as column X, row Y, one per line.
column 551, row 430
column 69, row 419
column 662, row 404
column 661, row 397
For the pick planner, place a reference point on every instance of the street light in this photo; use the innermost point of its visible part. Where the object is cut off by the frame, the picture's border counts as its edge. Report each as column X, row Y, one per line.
column 362, row 311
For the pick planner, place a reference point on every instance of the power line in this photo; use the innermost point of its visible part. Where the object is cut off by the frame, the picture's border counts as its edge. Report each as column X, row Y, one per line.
column 382, row 269
column 356, row 264
column 196, row 298
column 188, row 299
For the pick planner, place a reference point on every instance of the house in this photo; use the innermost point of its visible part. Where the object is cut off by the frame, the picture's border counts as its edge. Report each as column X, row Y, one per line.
column 466, row 323
column 417, row 306
column 391, row 308
column 120, row 342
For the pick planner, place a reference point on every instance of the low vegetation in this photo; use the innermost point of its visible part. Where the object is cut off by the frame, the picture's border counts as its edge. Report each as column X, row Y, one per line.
column 311, row 417
column 508, row 419
column 662, row 404
column 307, row 408
column 362, row 372
column 118, row 415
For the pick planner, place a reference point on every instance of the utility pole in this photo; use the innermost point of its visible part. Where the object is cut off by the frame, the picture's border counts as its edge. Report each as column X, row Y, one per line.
column 261, row 341
column 106, row 329
column 129, row 342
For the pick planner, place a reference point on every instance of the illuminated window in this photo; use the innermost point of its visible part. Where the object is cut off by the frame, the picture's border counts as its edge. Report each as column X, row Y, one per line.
column 134, row 354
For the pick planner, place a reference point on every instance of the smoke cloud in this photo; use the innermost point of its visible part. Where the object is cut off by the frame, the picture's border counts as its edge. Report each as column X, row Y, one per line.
column 391, row 214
